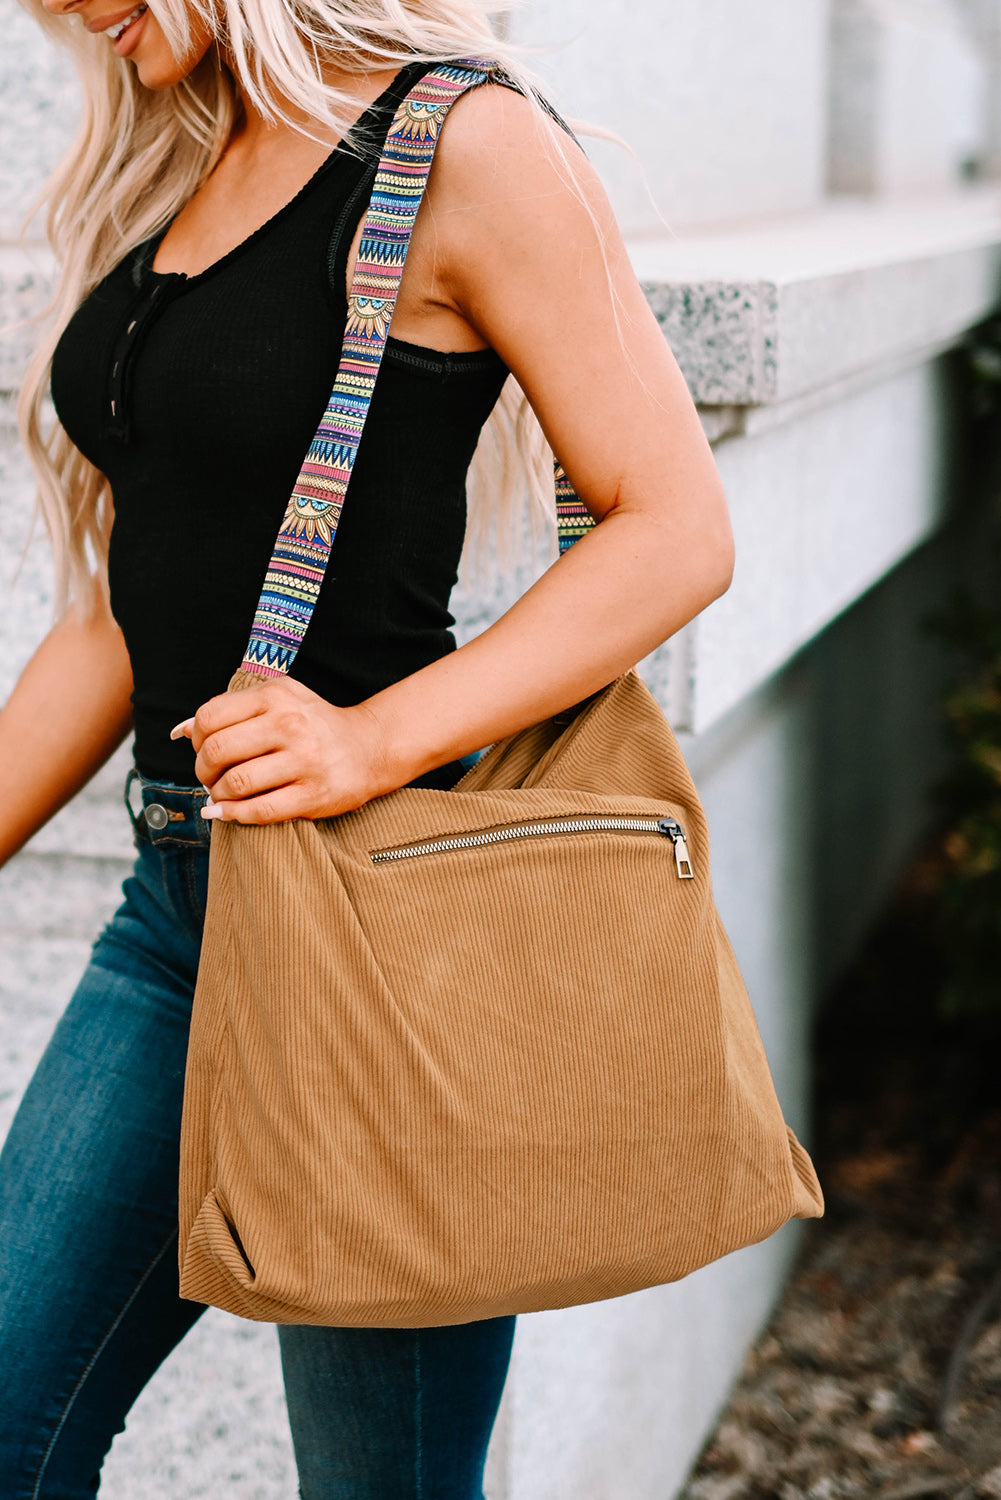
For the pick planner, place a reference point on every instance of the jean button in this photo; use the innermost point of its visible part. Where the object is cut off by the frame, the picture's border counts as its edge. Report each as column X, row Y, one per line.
column 156, row 816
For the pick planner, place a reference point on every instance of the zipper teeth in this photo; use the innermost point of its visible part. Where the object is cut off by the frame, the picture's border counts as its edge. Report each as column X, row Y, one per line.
column 540, row 829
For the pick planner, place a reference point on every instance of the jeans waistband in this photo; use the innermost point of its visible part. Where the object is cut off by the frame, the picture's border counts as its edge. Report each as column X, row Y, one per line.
column 168, row 815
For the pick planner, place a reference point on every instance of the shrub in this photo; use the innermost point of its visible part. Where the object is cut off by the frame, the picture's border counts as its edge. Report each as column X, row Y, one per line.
column 969, row 892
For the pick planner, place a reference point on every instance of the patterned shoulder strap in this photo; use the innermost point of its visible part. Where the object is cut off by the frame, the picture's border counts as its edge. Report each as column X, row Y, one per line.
column 307, row 532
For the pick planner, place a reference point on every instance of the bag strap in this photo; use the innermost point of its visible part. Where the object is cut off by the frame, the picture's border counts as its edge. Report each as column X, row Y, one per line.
column 307, row 532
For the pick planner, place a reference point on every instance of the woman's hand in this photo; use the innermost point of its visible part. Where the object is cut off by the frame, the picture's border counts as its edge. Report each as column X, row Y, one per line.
column 279, row 751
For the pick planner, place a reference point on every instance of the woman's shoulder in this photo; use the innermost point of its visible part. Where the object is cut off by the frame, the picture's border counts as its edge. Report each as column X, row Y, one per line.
column 500, row 149
column 500, row 116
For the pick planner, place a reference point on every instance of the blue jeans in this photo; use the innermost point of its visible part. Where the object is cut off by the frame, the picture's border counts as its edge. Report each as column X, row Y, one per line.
column 88, row 1241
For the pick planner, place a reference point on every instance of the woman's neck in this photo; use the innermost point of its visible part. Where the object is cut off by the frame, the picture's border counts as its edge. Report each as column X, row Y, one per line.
column 255, row 135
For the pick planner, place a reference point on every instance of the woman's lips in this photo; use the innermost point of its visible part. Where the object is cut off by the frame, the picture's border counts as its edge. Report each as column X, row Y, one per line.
column 130, row 36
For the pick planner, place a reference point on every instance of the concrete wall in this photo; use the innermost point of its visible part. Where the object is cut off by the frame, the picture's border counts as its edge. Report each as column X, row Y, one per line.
column 674, row 83
column 984, row 20
column 38, row 102
column 814, row 333
column 909, row 96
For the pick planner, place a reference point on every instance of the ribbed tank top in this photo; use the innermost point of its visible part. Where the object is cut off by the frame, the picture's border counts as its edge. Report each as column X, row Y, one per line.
column 197, row 397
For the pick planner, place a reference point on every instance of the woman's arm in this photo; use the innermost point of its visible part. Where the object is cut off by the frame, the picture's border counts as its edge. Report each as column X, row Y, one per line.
column 539, row 269
column 68, row 713
column 535, row 266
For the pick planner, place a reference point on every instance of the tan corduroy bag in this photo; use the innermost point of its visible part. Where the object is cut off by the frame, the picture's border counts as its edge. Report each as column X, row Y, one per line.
column 467, row 1053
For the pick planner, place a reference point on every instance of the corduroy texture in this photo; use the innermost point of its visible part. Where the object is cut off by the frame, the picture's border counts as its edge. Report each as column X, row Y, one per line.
column 483, row 1081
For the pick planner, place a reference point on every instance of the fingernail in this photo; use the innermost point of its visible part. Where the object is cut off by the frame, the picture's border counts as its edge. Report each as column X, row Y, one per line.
column 212, row 810
column 184, row 728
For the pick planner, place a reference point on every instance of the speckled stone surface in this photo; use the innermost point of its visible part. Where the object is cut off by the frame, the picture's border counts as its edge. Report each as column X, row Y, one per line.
column 39, row 108
column 760, row 317
column 39, row 104
column 724, row 334
column 213, row 1420
column 25, row 285
column 95, row 822
column 212, row 1423
column 25, row 570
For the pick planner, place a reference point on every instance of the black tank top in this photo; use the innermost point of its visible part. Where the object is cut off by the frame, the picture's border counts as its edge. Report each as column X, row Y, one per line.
column 197, row 397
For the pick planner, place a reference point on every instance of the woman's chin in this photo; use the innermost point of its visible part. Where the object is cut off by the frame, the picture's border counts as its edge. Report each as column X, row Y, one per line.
column 158, row 76
column 156, row 66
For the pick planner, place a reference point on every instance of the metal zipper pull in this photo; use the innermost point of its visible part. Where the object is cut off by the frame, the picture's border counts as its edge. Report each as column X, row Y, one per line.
column 674, row 831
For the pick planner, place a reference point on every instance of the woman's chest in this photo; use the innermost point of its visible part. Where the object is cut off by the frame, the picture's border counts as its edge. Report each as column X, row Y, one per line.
column 227, row 372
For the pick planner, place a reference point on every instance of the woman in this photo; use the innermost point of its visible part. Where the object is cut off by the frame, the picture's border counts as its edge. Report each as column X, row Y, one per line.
column 207, row 221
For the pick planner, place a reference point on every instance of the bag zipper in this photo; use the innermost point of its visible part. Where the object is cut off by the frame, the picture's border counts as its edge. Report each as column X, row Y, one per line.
column 546, row 828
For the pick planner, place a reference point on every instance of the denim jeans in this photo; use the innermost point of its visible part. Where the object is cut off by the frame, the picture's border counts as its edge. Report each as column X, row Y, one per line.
column 88, row 1241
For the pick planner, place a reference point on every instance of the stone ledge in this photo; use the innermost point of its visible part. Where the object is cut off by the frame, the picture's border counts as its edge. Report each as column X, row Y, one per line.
column 814, row 342
column 825, row 503
column 763, row 316
column 768, row 315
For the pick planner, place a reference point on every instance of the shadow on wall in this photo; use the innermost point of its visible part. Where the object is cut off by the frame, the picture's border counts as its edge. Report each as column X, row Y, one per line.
column 817, row 785
column 878, row 680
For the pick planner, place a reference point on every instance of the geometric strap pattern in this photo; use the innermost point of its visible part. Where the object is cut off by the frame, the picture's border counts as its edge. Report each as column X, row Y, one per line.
column 307, row 532
column 572, row 516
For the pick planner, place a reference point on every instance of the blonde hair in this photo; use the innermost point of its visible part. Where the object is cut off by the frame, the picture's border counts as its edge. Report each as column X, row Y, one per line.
column 140, row 154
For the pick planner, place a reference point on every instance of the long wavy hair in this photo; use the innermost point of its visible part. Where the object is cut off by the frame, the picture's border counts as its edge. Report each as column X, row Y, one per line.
column 140, row 154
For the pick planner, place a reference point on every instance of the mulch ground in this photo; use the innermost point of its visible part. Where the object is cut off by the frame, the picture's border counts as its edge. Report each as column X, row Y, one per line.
column 880, row 1374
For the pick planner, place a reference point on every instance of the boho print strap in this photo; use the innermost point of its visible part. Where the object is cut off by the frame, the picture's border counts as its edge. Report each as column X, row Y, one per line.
column 302, row 549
